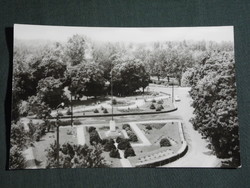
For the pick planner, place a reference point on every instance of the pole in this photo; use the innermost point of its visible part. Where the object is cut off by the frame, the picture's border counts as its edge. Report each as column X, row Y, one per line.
column 57, row 141
column 71, row 110
column 172, row 93
column 112, row 92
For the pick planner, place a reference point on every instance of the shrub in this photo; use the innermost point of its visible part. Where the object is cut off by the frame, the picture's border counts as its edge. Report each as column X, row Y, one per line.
column 94, row 137
column 165, row 142
column 160, row 102
column 105, row 111
column 75, row 156
column 77, row 122
column 153, row 101
column 133, row 137
column 114, row 153
column 96, row 111
column 124, row 126
column 148, row 127
column 124, row 144
column 114, row 101
column 109, row 145
column 152, row 106
column 118, row 139
column 69, row 112
column 129, row 152
column 102, row 108
column 16, row 159
column 158, row 108
column 104, row 141
column 91, row 129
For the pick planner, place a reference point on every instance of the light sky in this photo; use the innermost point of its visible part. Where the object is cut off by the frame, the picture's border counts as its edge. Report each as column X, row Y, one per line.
column 119, row 34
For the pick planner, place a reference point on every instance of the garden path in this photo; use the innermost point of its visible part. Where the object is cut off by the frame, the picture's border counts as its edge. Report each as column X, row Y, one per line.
column 80, row 135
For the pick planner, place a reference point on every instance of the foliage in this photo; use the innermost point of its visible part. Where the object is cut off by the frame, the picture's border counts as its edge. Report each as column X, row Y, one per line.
column 16, row 160
column 96, row 111
column 215, row 105
column 105, row 111
column 148, row 127
column 128, row 76
column 50, row 91
column 165, row 142
column 114, row 101
column 75, row 156
column 123, row 144
column 94, row 137
column 109, row 145
column 18, row 141
column 129, row 152
column 152, row 106
column 114, row 153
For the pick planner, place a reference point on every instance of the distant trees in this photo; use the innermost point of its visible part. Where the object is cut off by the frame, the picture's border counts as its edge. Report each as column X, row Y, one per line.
column 75, row 49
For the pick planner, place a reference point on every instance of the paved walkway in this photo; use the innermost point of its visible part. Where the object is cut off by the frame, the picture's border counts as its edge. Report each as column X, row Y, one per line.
column 80, row 135
column 143, row 138
column 29, row 158
column 125, row 162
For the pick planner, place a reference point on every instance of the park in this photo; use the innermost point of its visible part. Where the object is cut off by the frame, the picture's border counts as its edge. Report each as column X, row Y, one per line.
column 83, row 103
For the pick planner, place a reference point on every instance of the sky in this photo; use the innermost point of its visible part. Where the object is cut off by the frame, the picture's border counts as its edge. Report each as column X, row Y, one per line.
column 119, row 34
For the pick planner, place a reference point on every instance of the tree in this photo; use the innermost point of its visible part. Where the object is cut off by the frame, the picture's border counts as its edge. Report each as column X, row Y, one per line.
column 128, row 76
column 18, row 141
column 86, row 79
column 75, row 49
column 75, row 156
column 50, row 91
column 214, row 100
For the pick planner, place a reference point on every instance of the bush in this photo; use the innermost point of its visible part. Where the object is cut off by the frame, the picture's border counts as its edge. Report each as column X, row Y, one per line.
column 96, row 111
column 105, row 111
column 94, row 137
column 91, row 129
column 148, row 127
column 119, row 139
column 16, row 159
column 153, row 101
column 125, row 126
column 133, row 137
column 69, row 112
column 124, row 144
column 160, row 102
column 77, row 122
column 165, row 142
column 152, row 106
column 129, row 152
column 114, row 153
column 114, row 101
column 109, row 145
column 102, row 108
column 158, row 108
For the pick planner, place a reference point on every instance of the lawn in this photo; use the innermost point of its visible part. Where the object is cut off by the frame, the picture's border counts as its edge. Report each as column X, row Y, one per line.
column 67, row 134
column 158, row 131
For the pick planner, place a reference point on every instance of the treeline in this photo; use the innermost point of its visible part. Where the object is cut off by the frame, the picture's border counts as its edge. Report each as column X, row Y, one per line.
column 213, row 89
column 43, row 73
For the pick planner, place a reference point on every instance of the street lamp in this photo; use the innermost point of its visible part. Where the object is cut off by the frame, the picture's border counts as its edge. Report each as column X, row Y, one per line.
column 57, row 132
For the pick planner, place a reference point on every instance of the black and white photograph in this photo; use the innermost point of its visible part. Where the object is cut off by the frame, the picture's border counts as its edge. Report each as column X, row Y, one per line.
column 117, row 97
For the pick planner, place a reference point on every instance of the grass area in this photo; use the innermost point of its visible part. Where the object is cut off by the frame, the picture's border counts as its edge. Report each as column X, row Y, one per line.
column 159, row 130
column 112, row 162
column 67, row 134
